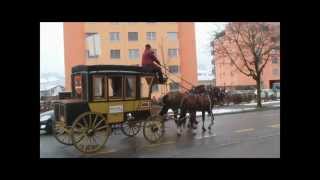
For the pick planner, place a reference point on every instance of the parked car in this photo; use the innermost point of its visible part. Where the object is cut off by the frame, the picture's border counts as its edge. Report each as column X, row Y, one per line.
column 267, row 94
column 46, row 119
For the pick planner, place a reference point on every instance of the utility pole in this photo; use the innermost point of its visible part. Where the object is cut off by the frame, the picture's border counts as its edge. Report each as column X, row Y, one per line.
column 164, row 64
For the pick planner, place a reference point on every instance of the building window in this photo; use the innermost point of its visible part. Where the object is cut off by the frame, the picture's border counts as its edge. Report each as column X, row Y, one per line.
column 174, row 69
column 114, row 36
column 133, row 53
column 155, row 88
column 130, row 87
column 273, row 51
column 98, row 87
column 115, row 54
column 151, row 36
column 274, row 60
column 172, row 35
column 133, row 36
column 275, row 72
column 78, row 85
column 93, row 45
column 174, row 86
column 172, row 53
column 155, row 52
column 115, row 87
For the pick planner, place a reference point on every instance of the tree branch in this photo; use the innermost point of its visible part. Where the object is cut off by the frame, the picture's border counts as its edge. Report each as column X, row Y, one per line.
column 266, row 61
column 232, row 60
column 244, row 59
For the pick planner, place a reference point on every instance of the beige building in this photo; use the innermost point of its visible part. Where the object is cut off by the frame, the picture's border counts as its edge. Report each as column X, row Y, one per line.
column 121, row 43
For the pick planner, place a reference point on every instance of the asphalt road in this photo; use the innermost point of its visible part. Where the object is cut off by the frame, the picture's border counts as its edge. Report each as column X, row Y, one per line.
column 243, row 135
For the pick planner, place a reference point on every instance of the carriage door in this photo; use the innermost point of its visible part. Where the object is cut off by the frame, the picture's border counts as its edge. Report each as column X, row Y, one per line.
column 145, row 93
column 115, row 96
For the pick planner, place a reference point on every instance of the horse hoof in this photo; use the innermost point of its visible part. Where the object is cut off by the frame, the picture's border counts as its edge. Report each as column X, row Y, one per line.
column 203, row 129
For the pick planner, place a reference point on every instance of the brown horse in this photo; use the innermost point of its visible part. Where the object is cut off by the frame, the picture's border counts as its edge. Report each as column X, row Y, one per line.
column 199, row 98
column 172, row 100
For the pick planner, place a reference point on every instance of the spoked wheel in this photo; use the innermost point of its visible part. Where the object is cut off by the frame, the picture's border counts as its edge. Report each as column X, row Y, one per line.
column 61, row 132
column 153, row 129
column 90, row 132
column 131, row 127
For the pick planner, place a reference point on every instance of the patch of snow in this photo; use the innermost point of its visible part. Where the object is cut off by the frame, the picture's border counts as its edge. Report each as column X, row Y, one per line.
column 270, row 102
column 221, row 111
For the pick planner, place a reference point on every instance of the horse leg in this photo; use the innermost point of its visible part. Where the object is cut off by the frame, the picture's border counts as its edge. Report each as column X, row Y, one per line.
column 164, row 110
column 212, row 119
column 203, row 119
column 193, row 117
column 179, row 122
column 189, row 121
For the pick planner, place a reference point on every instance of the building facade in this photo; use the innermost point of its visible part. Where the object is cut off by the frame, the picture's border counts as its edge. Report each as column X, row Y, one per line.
column 228, row 75
column 123, row 43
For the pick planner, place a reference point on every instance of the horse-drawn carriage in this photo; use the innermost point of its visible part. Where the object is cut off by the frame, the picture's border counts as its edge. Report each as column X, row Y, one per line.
column 106, row 98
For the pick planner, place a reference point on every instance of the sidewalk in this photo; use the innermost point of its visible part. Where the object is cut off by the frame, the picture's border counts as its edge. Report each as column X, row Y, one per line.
column 239, row 108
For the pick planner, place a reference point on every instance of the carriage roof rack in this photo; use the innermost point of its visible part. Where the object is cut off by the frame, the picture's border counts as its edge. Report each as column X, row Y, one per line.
column 125, row 69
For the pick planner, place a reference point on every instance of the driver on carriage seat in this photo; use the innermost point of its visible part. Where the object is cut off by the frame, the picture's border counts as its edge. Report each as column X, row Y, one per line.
column 148, row 60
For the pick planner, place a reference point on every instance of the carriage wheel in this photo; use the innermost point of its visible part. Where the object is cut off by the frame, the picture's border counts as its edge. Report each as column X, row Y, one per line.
column 90, row 132
column 61, row 132
column 153, row 129
column 131, row 127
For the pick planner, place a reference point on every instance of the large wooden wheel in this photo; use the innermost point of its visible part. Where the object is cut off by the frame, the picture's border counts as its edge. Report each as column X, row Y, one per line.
column 90, row 132
column 61, row 132
column 131, row 127
column 153, row 129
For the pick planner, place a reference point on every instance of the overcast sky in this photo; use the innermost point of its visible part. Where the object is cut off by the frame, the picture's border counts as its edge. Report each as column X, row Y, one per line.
column 52, row 50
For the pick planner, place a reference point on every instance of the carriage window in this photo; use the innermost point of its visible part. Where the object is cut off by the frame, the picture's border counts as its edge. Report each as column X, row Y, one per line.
column 130, row 87
column 97, row 87
column 115, row 87
column 145, row 84
column 78, row 85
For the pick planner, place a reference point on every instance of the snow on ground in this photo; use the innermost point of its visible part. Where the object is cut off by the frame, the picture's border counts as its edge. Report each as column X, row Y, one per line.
column 230, row 110
column 222, row 110
column 269, row 102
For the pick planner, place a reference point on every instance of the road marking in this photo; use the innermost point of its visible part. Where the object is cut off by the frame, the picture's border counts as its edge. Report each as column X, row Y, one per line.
column 106, row 152
column 169, row 142
column 152, row 145
column 158, row 144
column 275, row 126
column 205, row 136
column 244, row 130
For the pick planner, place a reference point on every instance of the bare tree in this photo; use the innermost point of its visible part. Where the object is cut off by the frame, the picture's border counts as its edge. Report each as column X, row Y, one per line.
column 248, row 46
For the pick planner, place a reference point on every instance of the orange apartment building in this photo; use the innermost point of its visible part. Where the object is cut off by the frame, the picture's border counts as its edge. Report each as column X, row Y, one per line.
column 228, row 75
column 123, row 43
